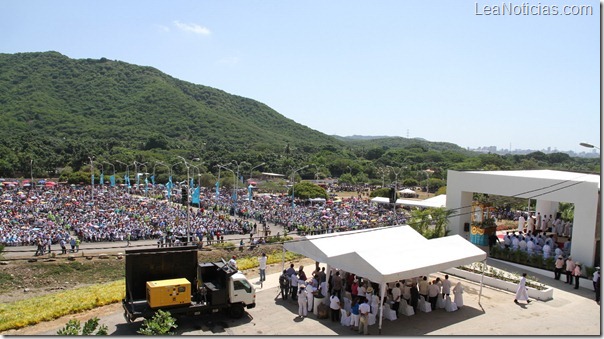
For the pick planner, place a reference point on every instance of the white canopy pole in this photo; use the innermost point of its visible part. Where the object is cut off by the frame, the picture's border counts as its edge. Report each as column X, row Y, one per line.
column 484, row 264
column 382, row 296
column 283, row 258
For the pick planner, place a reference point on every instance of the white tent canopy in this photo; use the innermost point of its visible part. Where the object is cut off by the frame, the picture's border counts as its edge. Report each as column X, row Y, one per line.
column 322, row 247
column 437, row 201
column 369, row 253
column 407, row 191
column 387, row 254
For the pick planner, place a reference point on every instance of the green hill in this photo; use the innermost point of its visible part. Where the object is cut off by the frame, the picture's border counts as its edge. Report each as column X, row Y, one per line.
column 57, row 112
column 64, row 107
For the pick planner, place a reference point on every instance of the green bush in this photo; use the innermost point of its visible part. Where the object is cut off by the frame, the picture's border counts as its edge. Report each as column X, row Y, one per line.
column 73, row 328
column 162, row 323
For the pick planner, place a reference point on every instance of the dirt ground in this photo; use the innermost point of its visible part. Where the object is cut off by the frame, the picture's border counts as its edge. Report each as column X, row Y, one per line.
column 30, row 281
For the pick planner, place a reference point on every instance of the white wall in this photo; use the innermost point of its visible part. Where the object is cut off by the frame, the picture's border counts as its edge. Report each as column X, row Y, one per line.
column 548, row 191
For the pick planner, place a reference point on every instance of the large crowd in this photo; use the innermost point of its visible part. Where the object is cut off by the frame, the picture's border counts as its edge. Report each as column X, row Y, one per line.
column 31, row 216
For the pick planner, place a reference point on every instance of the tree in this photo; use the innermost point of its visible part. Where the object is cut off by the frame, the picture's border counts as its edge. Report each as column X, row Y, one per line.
column 308, row 190
column 430, row 222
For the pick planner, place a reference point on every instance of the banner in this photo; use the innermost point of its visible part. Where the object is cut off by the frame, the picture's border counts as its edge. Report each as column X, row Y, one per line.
column 112, row 180
column 91, row 179
column 217, row 188
column 249, row 192
column 195, row 197
column 146, row 184
column 102, row 179
column 153, row 180
column 138, row 178
column 169, row 187
column 191, row 183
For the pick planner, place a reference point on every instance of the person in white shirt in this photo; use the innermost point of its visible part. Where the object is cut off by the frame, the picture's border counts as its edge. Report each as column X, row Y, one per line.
column 396, row 296
column 310, row 297
column 530, row 246
column 364, row 317
column 547, row 251
column 293, row 283
column 522, row 245
column 302, row 302
column 515, row 242
column 262, row 266
column 446, row 286
column 334, row 306
column 233, row 262
column 433, row 291
column 406, row 292
column 596, row 282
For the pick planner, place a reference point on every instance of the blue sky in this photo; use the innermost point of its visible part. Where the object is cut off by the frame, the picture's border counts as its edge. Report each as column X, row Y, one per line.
column 431, row 69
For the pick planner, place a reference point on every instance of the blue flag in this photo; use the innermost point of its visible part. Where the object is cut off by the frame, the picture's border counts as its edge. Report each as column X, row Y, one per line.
column 191, row 184
column 138, row 178
column 249, row 192
column 146, row 184
column 128, row 181
column 153, row 180
column 195, row 197
column 217, row 188
column 169, row 186
column 92, row 179
column 234, row 197
column 112, row 180
column 102, row 179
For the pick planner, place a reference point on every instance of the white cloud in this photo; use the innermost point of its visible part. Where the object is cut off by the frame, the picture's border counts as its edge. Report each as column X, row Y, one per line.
column 193, row 28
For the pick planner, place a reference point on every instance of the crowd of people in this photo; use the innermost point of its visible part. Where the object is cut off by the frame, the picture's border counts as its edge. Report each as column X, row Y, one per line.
column 354, row 301
column 48, row 215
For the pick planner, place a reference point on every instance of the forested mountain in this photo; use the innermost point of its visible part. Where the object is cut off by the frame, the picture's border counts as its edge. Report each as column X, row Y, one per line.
column 78, row 108
column 57, row 114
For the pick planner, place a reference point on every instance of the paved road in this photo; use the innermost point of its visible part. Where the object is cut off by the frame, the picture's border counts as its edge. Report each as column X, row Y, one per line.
column 95, row 248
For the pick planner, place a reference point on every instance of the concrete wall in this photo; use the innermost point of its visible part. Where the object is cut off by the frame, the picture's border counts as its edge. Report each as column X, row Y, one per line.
column 547, row 191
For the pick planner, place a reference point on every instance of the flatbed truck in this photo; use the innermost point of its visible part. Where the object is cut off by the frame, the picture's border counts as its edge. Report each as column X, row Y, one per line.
column 172, row 279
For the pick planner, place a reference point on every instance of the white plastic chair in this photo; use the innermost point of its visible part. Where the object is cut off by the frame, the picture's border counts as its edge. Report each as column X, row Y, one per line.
column 389, row 313
column 449, row 305
column 347, row 304
column 344, row 318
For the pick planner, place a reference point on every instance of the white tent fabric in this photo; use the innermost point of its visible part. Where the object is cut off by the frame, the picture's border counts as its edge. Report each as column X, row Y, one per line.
column 407, row 191
column 322, row 247
column 387, row 254
column 437, row 201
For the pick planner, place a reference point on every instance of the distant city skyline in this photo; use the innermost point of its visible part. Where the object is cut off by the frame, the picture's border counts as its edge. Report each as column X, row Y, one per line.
column 459, row 72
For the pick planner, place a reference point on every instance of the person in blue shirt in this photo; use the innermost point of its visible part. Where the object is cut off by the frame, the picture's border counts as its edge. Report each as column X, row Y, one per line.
column 354, row 314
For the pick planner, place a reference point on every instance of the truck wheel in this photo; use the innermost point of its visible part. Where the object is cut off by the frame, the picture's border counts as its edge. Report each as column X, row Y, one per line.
column 128, row 319
column 236, row 311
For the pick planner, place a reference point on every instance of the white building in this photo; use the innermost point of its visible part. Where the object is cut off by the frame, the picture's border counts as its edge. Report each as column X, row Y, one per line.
column 547, row 187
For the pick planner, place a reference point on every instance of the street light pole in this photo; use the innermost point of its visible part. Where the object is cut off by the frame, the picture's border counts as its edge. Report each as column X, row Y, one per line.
column 588, row 145
column 428, row 173
column 91, row 179
column 262, row 164
column 188, row 197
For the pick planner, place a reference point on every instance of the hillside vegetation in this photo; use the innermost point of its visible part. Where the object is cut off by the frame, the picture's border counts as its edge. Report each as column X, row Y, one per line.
column 59, row 113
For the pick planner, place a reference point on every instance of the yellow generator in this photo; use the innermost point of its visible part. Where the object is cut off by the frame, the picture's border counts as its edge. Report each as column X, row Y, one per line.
column 168, row 292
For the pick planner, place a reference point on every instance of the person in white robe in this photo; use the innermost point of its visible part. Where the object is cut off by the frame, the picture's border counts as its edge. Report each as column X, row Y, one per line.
column 458, row 293
column 520, row 223
column 522, row 290
column 302, row 302
column 310, row 289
